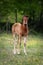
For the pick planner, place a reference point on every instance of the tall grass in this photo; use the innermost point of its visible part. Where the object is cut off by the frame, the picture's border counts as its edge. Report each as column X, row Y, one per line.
column 34, row 51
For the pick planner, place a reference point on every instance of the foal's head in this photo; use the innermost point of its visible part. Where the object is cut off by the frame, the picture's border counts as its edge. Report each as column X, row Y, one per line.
column 25, row 20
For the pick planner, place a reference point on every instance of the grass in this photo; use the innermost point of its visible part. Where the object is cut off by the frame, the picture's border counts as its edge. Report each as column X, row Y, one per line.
column 34, row 50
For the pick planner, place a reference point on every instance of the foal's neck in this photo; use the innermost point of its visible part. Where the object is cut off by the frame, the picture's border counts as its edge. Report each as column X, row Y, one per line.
column 25, row 25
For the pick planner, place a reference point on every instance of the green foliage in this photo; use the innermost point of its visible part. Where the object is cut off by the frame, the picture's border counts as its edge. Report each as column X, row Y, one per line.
column 27, row 6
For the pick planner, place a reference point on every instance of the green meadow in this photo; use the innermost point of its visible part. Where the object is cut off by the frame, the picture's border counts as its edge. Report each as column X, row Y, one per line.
column 34, row 51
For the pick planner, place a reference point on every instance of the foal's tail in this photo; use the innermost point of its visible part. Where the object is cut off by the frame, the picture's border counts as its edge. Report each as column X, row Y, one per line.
column 13, row 31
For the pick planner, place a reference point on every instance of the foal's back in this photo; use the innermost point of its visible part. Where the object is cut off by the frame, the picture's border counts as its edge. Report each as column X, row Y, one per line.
column 19, row 29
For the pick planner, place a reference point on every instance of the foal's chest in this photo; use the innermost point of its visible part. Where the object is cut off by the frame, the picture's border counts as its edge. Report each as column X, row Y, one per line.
column 24, row 31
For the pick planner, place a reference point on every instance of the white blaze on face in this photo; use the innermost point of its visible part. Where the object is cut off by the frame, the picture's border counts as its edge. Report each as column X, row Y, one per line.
column 25, row 20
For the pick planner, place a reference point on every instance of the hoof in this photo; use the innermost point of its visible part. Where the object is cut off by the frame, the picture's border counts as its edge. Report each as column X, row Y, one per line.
column 18, row 53
column 25, row 53
column 14, row 52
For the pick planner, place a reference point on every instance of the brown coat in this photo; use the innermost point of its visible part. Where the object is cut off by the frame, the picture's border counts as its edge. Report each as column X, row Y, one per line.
column 19, row 29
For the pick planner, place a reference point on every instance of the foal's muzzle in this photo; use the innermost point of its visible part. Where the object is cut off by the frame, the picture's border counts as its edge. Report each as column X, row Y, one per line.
column 25, row 24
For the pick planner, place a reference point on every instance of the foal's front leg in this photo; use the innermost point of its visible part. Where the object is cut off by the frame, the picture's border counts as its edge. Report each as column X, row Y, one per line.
column 25, row 45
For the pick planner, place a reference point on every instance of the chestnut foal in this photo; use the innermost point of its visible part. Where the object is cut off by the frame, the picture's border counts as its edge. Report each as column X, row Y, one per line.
column 20, row 30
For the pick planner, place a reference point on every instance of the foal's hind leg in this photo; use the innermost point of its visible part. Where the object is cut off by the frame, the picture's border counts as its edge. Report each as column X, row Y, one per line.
column 19, row 43
column 15, row 44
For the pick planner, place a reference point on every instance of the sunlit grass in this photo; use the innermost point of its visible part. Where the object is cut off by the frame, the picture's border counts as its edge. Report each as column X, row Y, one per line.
column 34, row 50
